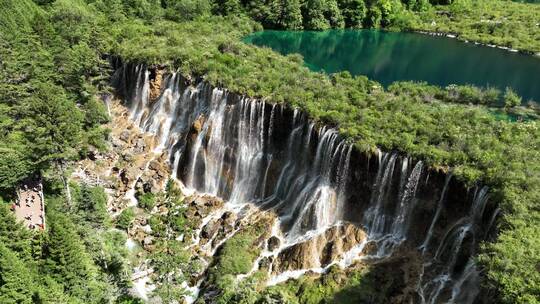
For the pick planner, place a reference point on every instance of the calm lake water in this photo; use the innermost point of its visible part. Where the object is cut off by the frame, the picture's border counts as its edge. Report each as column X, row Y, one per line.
column 387, row 57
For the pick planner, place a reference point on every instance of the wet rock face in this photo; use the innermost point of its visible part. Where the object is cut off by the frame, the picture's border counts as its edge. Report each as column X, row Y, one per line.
column 156, row 81
column 273, row 243
column 200, row 207
column 198, row 125
column 321, row 250
column 154, row 176
column 210, row 230
column 299, row 256
column 396, row 278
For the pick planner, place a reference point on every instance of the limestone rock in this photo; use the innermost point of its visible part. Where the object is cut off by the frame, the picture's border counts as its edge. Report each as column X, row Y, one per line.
column 300, row 256
column 321, row 250
column 229, row 219
column 370, row 248
column 273, row 243
column 148, row 240
column 198, row 124
column 156, row 83
column 210, row 230
column 266, row 262
column 140, row 145
column 124, row 136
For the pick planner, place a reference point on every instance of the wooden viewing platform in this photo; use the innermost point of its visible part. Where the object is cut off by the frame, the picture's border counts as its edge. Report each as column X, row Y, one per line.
column 29, row 207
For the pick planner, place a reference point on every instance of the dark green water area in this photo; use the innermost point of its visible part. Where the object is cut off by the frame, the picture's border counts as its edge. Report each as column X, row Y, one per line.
column 389, row 56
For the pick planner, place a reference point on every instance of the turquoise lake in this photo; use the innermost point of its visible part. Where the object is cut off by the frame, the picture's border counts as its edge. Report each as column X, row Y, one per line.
column 389, row 56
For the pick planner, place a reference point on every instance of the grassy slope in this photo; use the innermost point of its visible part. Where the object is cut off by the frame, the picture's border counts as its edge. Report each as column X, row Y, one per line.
column 500, row 22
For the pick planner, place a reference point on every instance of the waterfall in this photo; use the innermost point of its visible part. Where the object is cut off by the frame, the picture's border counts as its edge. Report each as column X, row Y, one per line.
column 375, row 217
column 387, row 223
column 425, row 245
column 447, row 254
column 232, row 154
column 470, row 277
column 139, row 108
column 407, row 202
column 492, row 222
column 252, row 153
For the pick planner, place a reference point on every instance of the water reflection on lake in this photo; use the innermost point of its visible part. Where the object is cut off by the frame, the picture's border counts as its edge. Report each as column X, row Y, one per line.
column 388, row 57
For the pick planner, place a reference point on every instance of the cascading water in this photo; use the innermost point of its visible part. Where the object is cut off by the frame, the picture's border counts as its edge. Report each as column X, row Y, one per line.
column 425, row 245
column 247, row 151
column 387, row 223
column 231, row 157
column 460, row 282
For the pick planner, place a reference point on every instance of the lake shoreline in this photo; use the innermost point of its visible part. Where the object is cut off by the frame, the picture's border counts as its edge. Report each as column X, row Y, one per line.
column 383, row 59
column 458, row 38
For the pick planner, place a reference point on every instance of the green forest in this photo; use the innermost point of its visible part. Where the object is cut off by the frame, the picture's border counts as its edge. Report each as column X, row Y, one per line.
column 54, row 69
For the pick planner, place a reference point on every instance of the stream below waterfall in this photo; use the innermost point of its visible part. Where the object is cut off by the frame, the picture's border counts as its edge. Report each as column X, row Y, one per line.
column 269, row 157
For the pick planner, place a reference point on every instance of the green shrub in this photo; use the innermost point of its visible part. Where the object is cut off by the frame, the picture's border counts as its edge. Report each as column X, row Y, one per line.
column 147, row 201
column 237, row 255
column 126, row 218
column 186, row 10
column 157, row 224
column 511, row 99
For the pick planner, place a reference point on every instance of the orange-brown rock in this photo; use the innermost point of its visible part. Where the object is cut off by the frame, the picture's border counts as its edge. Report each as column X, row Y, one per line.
column 155, row 84
column 198, row 124
column 321, row 250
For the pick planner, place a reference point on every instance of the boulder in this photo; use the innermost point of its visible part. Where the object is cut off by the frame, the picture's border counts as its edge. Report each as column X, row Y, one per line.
column 370, row 248
column 140, row 145
column 148, row 240
column 273, row 243
column 299, row 256
column 265, row 263
column 124, row 136
column 229, row 220
column 210, row 230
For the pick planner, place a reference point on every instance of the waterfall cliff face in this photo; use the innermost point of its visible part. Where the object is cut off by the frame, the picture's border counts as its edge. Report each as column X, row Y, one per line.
column 247, row 151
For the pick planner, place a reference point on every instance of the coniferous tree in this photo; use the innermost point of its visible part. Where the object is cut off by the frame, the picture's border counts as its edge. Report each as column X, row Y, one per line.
column 93, row 206
column 14, row 236
column 16, row 283
column 265, row 13
column 186, row 10
column 227, row 7
column 373, row 15
column 67, row 262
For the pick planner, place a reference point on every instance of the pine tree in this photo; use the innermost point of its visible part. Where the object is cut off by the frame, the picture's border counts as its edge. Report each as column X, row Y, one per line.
column 16, row 284
column 14, row 236
column 67, row 262
column 227, row 7
column 93, row 206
